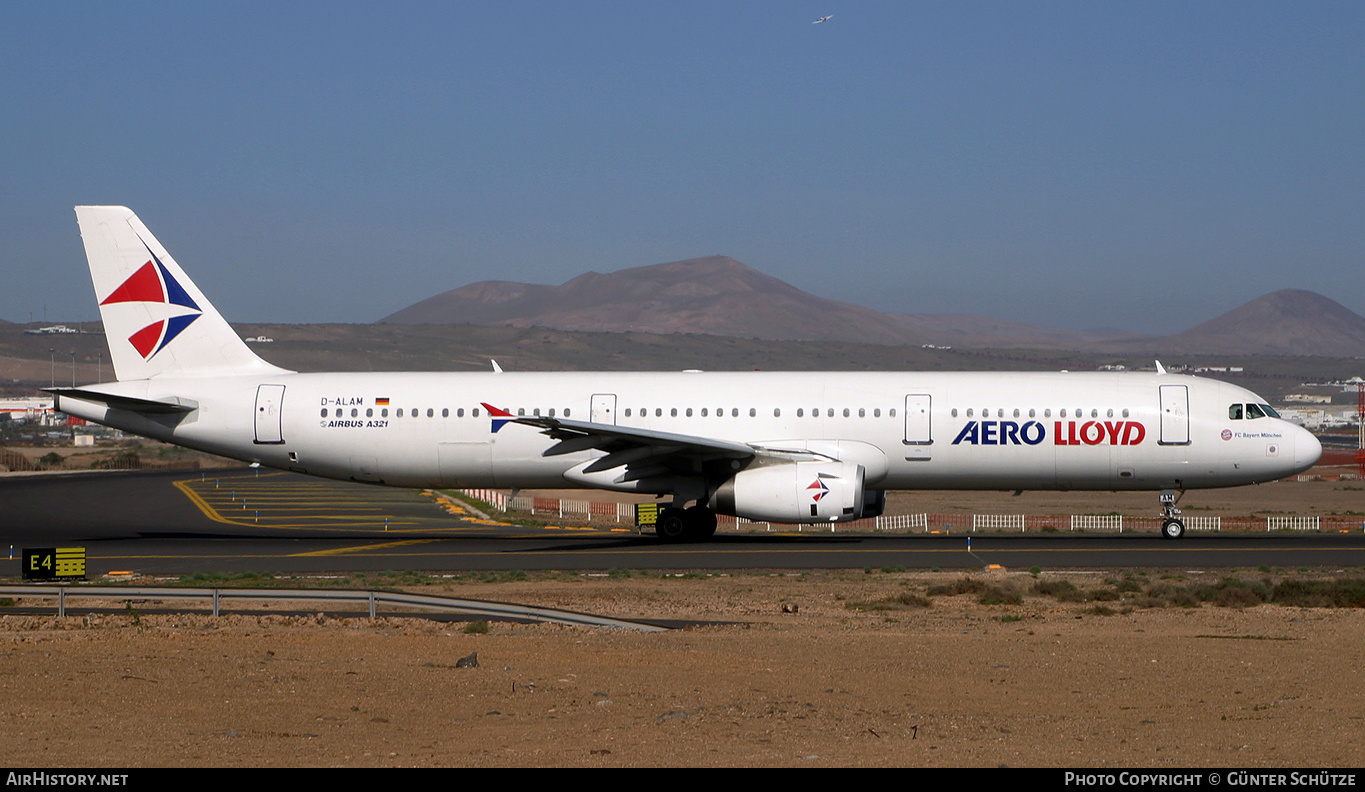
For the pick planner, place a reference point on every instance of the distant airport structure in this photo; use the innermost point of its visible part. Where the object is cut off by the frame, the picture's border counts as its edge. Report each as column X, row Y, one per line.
column 29, row 408
column 53, row 330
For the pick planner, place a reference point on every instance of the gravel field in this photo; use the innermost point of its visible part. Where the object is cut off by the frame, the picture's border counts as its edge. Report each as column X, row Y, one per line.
column 838, row 668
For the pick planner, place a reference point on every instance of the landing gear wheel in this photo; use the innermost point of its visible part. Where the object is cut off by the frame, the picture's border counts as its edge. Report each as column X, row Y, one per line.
column 702, row 521
column 1171, row 525
column 672, row 525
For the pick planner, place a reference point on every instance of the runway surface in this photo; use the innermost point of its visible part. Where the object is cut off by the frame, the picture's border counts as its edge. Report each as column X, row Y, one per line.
column 174, row 523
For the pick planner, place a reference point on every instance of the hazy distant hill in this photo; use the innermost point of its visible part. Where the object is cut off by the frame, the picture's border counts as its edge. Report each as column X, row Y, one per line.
column 715, row 295
column 1286, row 322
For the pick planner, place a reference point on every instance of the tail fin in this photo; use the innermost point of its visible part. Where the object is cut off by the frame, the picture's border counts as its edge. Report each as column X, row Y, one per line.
column 157, row 321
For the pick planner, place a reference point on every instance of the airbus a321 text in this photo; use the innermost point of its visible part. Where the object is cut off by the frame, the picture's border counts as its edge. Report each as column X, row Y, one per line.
column 789, row 447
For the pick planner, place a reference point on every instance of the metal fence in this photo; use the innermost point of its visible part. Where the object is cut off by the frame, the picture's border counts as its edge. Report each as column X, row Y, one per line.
column 372, row 599
column 590, row 512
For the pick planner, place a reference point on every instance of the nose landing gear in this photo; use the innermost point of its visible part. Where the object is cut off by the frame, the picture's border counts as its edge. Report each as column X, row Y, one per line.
column 1172, row 527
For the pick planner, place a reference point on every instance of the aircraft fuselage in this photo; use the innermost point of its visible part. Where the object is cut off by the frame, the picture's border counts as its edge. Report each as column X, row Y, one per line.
column 1066, row 430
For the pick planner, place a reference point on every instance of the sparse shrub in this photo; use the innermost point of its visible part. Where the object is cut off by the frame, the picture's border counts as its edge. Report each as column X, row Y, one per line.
column 1235, row 597
column 912, row 600
column 479, row 627
column 1174, row 595
column 1061, row 590
column 901, row 601
column 963, row 585
column 1127, row 585
column 1000, row 595
column 1234, row 593
column 1346, row 593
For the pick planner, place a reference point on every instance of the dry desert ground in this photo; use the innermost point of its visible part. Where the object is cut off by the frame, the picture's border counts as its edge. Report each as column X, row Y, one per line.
column 828, row 668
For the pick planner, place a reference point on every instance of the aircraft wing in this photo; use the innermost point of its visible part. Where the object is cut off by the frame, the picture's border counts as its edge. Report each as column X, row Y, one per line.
column 629, row 445
column 645, row 451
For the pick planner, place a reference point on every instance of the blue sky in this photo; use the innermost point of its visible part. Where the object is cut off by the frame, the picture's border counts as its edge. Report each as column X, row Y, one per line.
column 1136, row 165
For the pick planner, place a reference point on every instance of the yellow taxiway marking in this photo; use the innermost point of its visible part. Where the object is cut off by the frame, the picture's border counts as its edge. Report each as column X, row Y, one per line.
column 320, row 521
column 360, row 548
column 342, row 514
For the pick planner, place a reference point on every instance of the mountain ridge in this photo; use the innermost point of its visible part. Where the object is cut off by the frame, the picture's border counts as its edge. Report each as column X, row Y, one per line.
column 718, row 295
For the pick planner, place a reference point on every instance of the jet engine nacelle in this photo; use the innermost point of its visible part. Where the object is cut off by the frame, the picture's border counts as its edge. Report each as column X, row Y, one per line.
column 794, row 492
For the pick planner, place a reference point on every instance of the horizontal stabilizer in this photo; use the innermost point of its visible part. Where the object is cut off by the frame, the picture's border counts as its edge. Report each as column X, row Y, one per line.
column 130, row 403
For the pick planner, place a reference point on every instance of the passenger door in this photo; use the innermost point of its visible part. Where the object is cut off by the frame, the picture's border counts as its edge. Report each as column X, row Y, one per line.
column 269, row 418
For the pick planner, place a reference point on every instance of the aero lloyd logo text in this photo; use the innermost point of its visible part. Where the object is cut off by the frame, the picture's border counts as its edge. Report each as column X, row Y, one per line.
column 152, row 283
column 1063, row 433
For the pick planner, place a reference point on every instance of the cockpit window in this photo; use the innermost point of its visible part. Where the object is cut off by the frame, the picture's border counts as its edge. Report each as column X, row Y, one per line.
column 1268, row 410
column 1254, row 411
column 1235, row 412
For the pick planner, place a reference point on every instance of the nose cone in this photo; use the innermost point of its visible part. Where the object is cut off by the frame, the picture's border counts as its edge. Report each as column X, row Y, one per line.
column 1307, row 449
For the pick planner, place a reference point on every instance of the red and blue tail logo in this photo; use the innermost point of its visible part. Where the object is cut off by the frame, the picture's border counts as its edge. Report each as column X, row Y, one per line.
column 500, row 417
column 152, row 283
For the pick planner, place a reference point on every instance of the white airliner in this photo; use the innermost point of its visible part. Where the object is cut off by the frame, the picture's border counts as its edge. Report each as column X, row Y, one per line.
column 791, row 447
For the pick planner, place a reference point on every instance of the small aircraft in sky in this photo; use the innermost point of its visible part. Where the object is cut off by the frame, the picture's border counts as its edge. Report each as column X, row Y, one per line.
column 823, row 19
column 787, row 447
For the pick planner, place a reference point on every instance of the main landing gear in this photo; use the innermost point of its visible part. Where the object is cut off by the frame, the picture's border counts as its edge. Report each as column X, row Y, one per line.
column 1172, row 527
column 695, row 524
